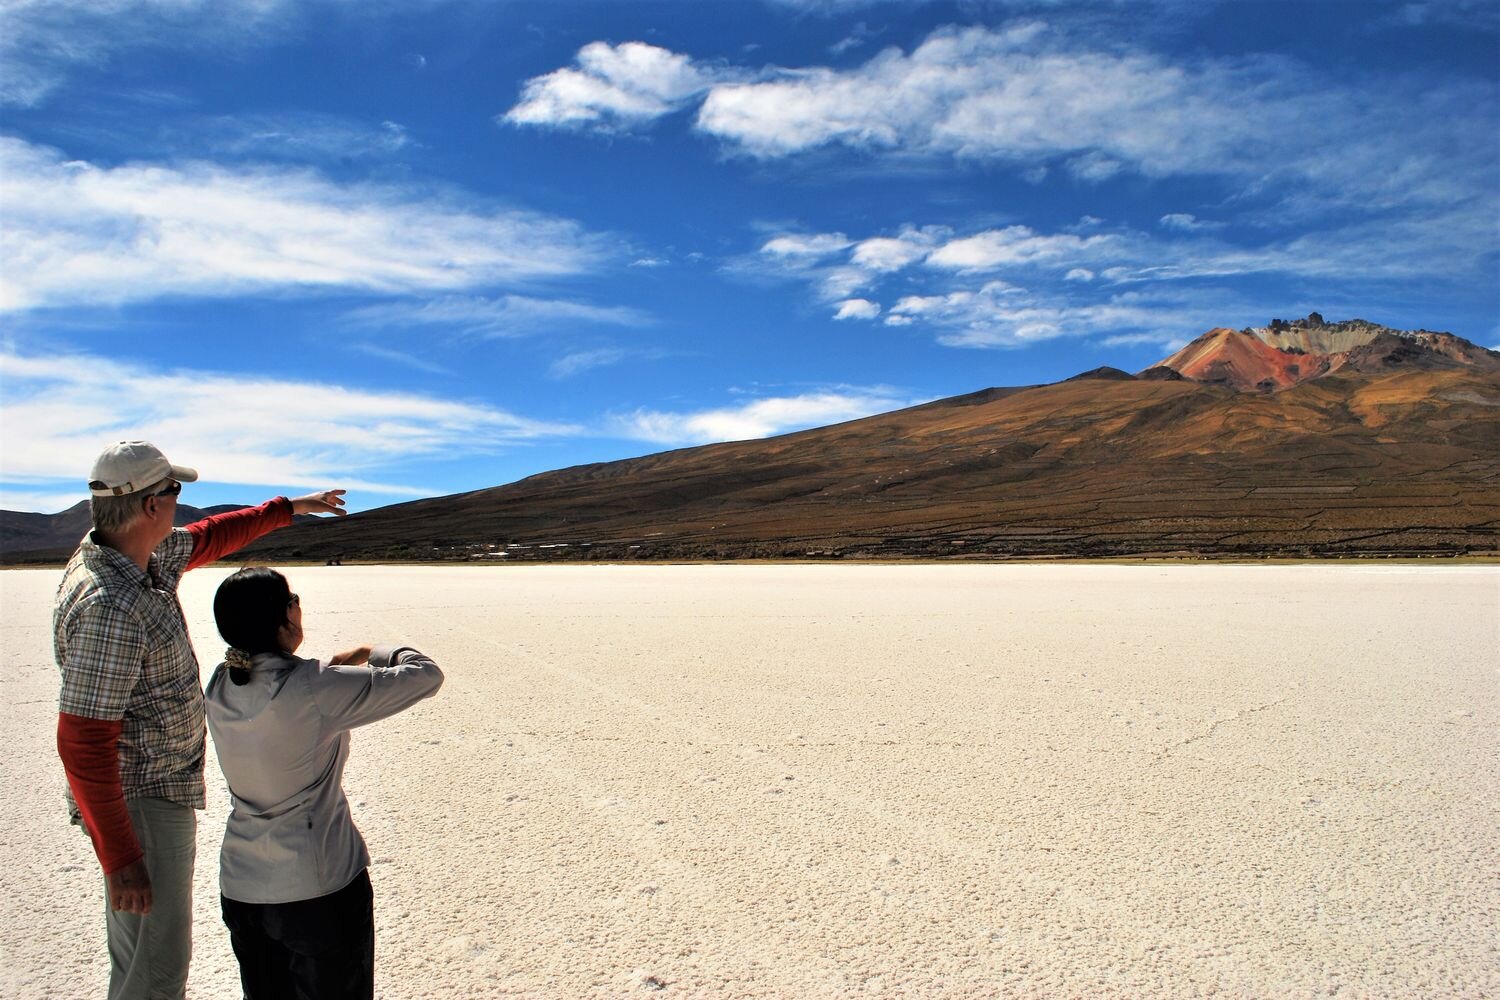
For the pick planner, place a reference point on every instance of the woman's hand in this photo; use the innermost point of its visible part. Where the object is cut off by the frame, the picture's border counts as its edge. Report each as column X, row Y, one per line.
column 322, row 502
column 351, row 657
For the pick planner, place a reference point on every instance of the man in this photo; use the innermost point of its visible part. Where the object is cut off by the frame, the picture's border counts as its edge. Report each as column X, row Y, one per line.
column 130, row 716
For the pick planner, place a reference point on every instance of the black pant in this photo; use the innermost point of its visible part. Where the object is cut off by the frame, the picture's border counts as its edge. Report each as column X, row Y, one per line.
column 313, row 949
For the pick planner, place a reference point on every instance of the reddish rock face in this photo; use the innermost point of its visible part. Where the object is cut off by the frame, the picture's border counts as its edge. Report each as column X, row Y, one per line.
column 1275, row 357
column 1241, row 361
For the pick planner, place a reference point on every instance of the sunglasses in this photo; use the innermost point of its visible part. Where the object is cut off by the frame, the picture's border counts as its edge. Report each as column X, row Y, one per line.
column 294, row 601
column 172, row 488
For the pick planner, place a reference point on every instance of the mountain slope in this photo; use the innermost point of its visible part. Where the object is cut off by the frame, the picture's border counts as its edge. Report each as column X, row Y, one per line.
column 1392, row 447
column 1400, row 463
column 54, row 536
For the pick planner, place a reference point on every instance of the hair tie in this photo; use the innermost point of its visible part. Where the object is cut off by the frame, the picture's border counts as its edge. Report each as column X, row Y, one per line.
column 236, row 658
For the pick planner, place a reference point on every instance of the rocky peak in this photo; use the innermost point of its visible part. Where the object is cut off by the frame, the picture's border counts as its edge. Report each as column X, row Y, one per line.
column 1286, row 353
column 1313, row 321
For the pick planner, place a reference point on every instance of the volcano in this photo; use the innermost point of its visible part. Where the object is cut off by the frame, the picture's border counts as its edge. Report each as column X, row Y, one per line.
column 1281, row 355
column 1295, row 439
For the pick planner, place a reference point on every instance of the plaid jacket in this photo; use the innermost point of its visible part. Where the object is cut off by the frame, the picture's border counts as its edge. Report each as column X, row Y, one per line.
column 122, row 645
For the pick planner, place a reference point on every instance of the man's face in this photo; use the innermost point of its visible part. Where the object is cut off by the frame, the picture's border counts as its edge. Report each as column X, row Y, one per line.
column 160, row 506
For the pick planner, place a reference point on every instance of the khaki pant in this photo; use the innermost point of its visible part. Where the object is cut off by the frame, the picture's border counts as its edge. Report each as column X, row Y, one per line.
column 148, row 956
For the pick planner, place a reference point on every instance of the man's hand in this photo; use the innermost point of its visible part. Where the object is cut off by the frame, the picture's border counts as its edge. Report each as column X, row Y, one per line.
column 324, row 502
column 130, row 888
column 355, row 656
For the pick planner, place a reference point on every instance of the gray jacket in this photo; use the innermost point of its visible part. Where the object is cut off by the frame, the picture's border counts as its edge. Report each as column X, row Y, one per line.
column 282, row 741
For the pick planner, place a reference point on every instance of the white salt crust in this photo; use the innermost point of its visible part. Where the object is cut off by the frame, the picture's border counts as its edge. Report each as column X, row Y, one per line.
column 830, row 781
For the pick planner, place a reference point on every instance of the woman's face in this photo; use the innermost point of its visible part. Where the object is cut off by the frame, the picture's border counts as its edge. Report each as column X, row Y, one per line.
column 290, row 634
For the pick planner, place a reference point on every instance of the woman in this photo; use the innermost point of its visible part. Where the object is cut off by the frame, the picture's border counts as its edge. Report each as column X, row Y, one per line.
column 295, row 891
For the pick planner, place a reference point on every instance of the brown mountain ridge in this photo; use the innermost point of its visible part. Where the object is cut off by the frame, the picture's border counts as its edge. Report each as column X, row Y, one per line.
column 1300, row 439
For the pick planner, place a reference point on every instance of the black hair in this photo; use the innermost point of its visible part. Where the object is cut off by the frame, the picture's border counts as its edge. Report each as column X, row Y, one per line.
column 250, row 608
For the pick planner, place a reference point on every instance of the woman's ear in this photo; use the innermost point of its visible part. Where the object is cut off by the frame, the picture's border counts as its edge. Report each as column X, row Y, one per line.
column 290, row 636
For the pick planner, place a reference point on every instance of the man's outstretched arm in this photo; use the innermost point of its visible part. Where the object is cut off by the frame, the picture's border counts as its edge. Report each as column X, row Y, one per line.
column 222, row 534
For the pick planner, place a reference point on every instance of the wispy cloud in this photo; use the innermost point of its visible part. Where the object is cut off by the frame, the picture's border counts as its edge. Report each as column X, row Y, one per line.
column 79, row 234
column 1028, row 95
column 859, row 36
column 1477, row 15
column 996, row 248
column 803, row 246
column 506, row 316
column 402, row 358
column 998, row 314
column 758, row 418
column 1186, row 222
column 1012, row 285
column 58, row 411
column 1038, row 98
column 41, row 40
column 581, row 361
column 300, row 136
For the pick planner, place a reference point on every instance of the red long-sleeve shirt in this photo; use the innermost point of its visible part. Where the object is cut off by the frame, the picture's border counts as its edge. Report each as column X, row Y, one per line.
column 90, row 745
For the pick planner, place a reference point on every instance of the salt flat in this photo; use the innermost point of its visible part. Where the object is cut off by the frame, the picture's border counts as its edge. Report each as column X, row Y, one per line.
column 822, row 781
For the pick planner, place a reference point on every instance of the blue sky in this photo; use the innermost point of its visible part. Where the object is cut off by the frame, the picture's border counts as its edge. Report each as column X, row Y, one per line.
column 423, row 247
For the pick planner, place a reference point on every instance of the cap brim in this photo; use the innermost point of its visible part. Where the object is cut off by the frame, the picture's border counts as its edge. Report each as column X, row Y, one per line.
column 183, row 474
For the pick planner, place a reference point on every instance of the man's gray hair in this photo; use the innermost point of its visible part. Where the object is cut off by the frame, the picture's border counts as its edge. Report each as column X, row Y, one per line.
column 112, row 515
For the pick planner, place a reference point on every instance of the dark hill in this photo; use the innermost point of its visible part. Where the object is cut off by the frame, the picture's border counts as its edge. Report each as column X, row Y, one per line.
column 1403, row 463
column 27, row 537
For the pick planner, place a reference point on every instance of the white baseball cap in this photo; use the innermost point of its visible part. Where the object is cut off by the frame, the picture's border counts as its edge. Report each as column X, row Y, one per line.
column 131, row 466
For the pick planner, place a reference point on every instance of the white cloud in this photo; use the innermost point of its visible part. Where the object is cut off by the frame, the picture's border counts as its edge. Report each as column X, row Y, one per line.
column 887, row 253
column 1017, row 93
column 758, row 419
column 57, row 412
column 998, row 314
column 1187, row 223
column 1035, row 98
column 838, row 283
column 506, row 316
column 76, row 233
column 807, row 256
column 612, row 85
column 857, row 309
column 1094, row 167
column 1063, row 270
column 799, row 245
column 1012, row 245
column 1031, row 97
